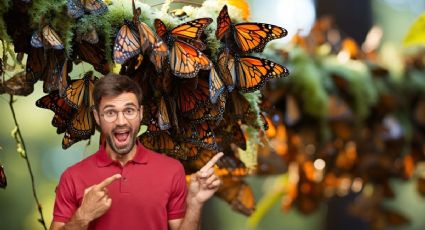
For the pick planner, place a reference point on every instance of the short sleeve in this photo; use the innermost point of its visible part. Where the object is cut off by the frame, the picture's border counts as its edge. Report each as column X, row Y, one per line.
column 176, row 207
column 66, row 202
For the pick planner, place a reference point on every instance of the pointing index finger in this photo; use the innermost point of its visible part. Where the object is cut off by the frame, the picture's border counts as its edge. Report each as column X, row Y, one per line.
column 108, row 181
column 212, row 162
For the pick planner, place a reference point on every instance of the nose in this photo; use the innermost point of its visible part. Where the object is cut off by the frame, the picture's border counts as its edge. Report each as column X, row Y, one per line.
column 121, row 119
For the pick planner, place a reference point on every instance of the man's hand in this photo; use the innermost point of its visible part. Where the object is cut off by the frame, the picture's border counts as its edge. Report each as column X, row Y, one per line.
column 204, row 183
column 96, row 200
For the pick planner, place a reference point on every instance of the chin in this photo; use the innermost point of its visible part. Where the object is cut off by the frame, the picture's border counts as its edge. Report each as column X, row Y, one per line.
column 122, row 150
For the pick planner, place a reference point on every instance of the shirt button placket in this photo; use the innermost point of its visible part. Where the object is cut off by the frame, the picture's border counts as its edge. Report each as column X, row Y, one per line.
column 124, row 180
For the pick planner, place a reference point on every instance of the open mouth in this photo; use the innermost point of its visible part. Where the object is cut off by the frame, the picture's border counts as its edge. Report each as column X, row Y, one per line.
column 122, row 137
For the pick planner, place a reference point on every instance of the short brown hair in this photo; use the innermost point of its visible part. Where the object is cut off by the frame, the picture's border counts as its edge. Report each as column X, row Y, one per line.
column 114, row 85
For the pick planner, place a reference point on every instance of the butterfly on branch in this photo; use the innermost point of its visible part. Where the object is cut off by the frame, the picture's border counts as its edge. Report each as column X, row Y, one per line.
column 77, row 8
column 249, row 37
column 186, row 58
column 46, row 37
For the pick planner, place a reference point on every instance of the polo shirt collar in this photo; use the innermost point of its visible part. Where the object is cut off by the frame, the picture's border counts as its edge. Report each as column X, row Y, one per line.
column 103, row 159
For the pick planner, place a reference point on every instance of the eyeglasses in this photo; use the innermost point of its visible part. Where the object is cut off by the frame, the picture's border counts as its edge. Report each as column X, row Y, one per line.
column 111, row 115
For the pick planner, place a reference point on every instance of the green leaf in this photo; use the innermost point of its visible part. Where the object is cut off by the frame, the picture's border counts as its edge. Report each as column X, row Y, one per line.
column 416, row 34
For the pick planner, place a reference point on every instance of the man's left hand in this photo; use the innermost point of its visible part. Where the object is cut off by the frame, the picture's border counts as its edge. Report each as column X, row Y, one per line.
column 204, row 183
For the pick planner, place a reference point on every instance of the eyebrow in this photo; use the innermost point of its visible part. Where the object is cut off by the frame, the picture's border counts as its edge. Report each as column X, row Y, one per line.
column 126, row 105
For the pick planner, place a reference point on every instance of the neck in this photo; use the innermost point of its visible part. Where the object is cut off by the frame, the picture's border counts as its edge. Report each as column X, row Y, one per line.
column 122, row 158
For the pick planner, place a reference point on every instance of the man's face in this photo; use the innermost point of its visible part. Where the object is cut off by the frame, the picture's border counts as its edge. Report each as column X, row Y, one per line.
column 119, row 119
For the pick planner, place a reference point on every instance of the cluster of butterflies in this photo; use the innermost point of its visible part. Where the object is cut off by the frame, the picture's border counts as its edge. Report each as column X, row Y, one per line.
column 73, row 112
column 193, row 102
column 353, row 157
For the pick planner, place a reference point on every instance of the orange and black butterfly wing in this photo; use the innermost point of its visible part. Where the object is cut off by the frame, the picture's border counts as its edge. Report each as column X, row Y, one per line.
column 253, row 37
column 163, row 117
column 93, row 54
column 192, row 29
column 223, row 23
column 226, row 67
column 94, row 6
column 80, row 92
column 253, row 72
column 215, row 85
column 209, row 111
column 127, row 43
column 69, row 140
column 151, row 41
column 51, row 38
column 238, row 194
column 55, row 103
column 186, row 60
column 60, row 123
column 160, row 28
column 82, row 125
column 239, row 108
column 191, row 95
column 150, row 118
column 227, row 134
column 201, row 135
column 75, row 93
column 227, row 165
column 36, row 63
column 161, row 142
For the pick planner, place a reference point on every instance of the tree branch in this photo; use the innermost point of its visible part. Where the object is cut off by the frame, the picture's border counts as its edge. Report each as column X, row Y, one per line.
column 22, row 150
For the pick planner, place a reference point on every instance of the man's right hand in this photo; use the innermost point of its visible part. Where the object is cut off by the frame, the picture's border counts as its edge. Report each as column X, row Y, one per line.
column 96, row 200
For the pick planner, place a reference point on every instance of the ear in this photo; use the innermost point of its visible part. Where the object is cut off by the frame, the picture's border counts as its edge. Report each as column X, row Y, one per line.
column 96, row 117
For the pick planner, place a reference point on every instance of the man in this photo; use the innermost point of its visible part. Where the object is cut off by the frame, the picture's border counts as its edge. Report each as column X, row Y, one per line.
column 124, row 185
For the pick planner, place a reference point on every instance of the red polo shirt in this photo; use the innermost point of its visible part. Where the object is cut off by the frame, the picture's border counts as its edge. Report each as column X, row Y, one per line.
column 151, row 191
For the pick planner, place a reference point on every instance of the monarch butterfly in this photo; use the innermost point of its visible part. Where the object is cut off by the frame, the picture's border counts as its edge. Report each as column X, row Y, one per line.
column 227, row 165
column 93, row 54
column 127, row 43
column 3, row 180
column 77, row 8
column 69, row 140
column 35, row 63
column 248, row 73
column 82, row 125
column 227, row 133
column 150, row 112
column 162, row 142
column 63, row 112
column 48, row 39
column 163, row 118
column 135, row 37
column 149, row 40
column 191, row 95
column 238, row 194
column 158, row 48
column 239, row 108
column 60, row 123
column 249, row 37
column 55, row 103
column 209, row 111
column 80, row 92
column 226, row 68
column 200, row 135
column 57, row 76
column 185, row 56
column 216, row 85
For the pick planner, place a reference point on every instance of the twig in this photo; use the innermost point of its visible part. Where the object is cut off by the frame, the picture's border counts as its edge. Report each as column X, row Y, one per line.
column 23, row 152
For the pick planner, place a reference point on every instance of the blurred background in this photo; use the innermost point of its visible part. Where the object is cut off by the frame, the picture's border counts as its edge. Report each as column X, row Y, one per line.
column 392, row 20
